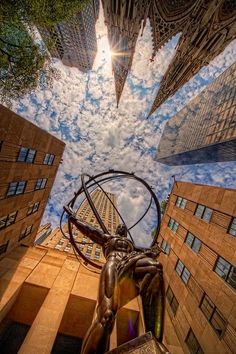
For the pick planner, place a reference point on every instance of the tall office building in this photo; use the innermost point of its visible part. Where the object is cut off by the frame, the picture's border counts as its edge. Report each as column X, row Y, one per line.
column 123, row 19
column 205, row 129
column 109, row 216
column 198, row 235
column 29, row 158
column 74, row 41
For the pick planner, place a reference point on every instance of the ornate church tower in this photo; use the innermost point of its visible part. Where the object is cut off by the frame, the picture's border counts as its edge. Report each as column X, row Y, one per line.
column 124, row 20
column 206, row 30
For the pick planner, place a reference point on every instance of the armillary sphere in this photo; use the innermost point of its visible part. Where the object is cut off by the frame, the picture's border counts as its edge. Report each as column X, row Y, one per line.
column 88, row 185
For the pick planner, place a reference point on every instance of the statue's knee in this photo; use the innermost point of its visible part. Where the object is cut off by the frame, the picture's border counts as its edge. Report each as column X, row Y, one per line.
column 107, row 319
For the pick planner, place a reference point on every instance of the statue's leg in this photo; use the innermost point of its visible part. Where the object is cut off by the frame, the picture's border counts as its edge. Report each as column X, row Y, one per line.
column 98, row 335
column 149, row 275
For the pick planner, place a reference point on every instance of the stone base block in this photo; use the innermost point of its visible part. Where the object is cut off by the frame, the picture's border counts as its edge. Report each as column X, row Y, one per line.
column 145, row 344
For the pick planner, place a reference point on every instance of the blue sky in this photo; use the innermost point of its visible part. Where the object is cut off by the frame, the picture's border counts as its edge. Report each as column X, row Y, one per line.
column 81, row 110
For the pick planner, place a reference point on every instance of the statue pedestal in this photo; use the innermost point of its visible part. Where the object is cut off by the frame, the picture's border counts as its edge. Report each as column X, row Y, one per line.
column 145, row 344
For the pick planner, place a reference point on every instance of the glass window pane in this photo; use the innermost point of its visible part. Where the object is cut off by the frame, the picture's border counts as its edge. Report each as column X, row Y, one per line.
column 232, row 229
column 11, row 218
column 183, row 203
column 43, row 184
column 51, row 159
column 174, row 305
column 189, row 239
column 179, row 267
column 178, row 201
column 185, row 275
column 12, row 188
column 192, row 343
column 22, row 154
column 222, row 268
column 207, row 214
column 175, row 227
column 20, row 187
column 207, row 307
column 30, row 156
column 196, row 245
column 38, row 183
column 3, row 222
column 169, row 295
column 46, row 158
column 171, row 222
column 199, row 210
column 218, row 323
column 232, row 277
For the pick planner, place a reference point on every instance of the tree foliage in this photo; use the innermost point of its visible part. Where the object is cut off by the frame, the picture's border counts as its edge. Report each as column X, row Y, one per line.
column 23, row 63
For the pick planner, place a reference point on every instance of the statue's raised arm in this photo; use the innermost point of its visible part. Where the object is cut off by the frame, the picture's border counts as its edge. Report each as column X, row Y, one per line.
column 91, row 232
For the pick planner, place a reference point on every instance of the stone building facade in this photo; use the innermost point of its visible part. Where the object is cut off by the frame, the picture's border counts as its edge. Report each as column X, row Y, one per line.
column 205, row 129
column 29, row 159
column 198, row 235
column 74, row 41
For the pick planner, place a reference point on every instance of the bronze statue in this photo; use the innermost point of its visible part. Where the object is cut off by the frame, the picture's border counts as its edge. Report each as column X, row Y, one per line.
column 123, row 260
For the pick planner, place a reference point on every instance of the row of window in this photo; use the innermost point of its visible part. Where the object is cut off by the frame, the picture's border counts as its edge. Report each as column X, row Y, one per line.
column 10, row 219
column 222, row 267
column 28, row 155
column 210, row 311
column 23, row 234
column 16, row 188
column 205, row 213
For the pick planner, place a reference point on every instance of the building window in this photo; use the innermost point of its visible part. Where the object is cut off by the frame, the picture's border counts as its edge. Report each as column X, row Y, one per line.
column 182, row 271
column 173, row 225
column 193, row 242
column 181, row 202
column 226, row 271
column 211, row 313
column 33, row 208
column 192, row 343
column 172, row 300
column 41, row 183
column 165, row 247
column 3, row 248
column 232, row 227
column 26, row 155
column 203, row 212
column 1, row 142
column 8, row 220
column 16, row 188
column 48, row 159
column 25, row 232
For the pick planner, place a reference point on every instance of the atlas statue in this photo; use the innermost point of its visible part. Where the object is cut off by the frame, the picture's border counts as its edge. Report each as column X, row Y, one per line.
column 124, row 260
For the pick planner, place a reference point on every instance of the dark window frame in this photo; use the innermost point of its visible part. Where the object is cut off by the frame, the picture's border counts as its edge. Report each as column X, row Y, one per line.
column 210, row 311
column 172, row 224
column 195, row 348
column 202, row 214
column 166, row 247
column 48, row 159
column 7, row 218
column 33, row 208
column 232, row 222
column 27, row 231
column 16, row 188
column 173, row 302
column 1, row 144
column 3, row 248
column 221, row 270
column 181, row 202
column 183, row 271
column 193, row 242
column 28, row 156
column 40, row 183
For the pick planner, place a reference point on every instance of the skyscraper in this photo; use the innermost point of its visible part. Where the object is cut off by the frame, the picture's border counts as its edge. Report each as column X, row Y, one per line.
column 198, row 235
column 205, row 129
column 109, row 217
column 29, row 158
column 74, row 41
column 206, row 27
column 123, row 19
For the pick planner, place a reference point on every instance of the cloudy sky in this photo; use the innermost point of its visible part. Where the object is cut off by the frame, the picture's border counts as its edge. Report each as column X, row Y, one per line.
column 81, row 110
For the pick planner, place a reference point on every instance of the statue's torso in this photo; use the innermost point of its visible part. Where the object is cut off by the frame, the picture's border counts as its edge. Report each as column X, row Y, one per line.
column 117, row 247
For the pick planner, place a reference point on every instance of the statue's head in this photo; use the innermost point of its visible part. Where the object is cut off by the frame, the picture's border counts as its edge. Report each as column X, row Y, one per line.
column 121, row 230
